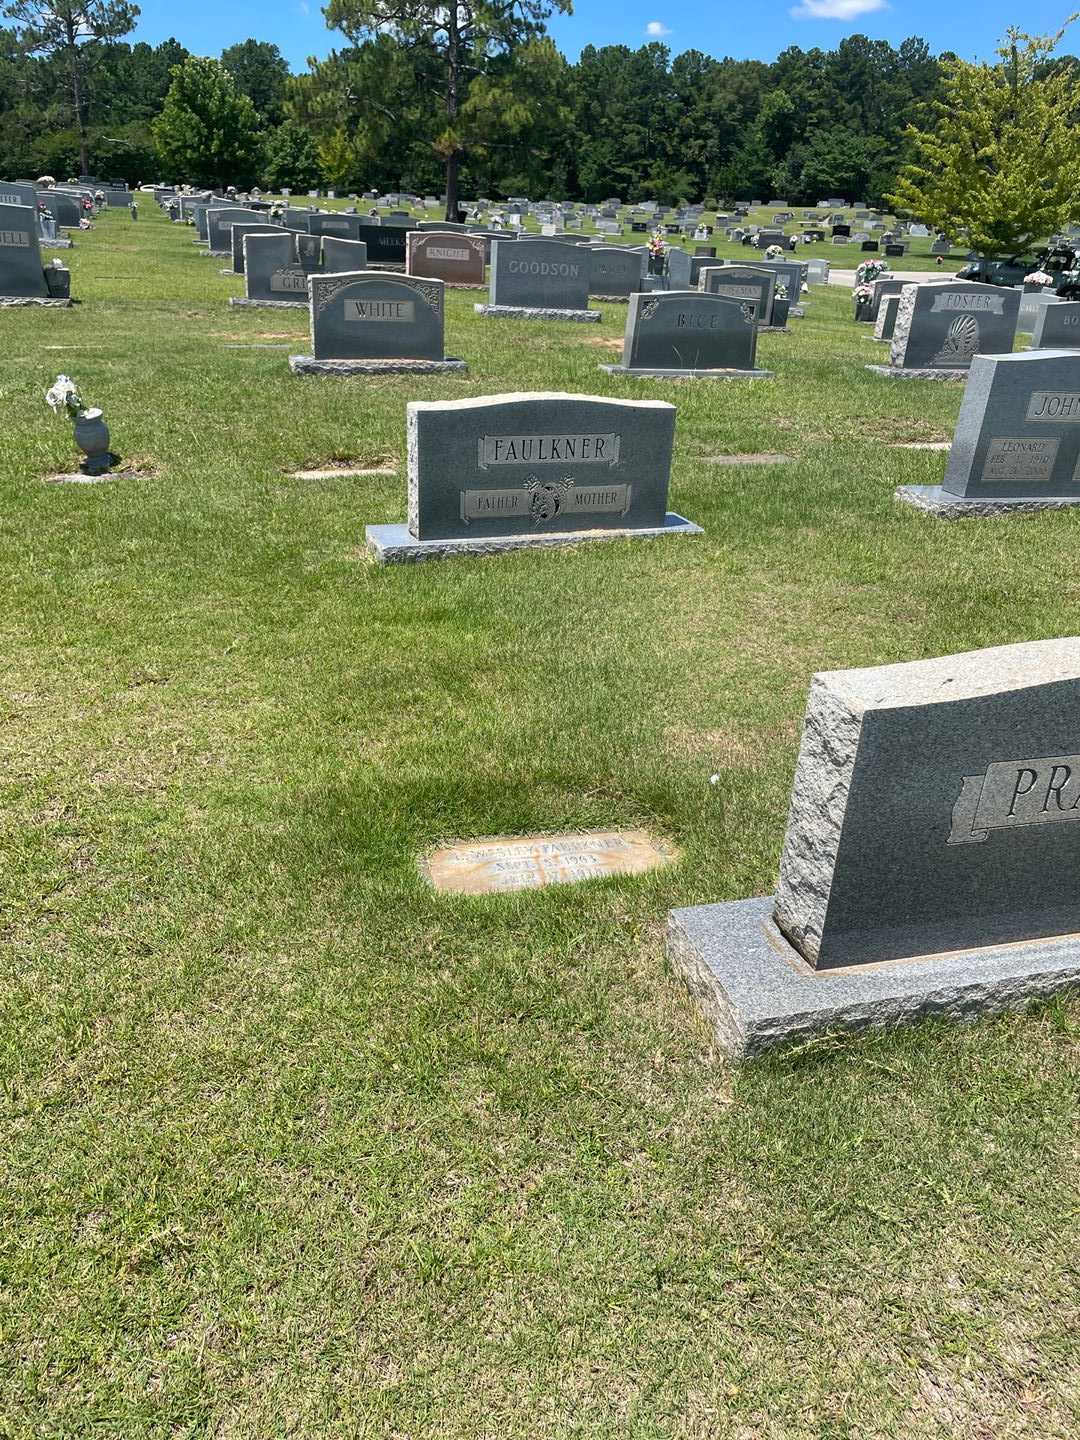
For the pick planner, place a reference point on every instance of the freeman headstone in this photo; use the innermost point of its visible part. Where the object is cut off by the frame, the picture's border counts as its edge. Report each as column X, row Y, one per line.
column 742, row 282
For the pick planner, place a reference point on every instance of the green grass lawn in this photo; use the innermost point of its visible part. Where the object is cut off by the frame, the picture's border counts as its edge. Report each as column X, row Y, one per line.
column 294, row 1146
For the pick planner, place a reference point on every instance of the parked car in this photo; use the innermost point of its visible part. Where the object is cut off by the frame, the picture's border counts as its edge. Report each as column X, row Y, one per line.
column 1062, row 262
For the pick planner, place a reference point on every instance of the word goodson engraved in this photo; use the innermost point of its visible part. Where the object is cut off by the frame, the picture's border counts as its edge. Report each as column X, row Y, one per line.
column 547, row 450
column 1015, row 793
column 1055, row 406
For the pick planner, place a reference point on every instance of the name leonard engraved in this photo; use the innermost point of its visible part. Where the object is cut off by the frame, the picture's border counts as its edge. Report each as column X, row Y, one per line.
column 547, row 450
column 1013, row 793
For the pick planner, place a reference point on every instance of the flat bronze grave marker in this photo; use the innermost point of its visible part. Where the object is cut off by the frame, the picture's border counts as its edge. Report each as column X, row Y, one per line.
column 527, row 862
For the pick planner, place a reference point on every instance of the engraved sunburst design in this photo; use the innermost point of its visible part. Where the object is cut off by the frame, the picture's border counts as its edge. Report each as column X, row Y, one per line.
column 962, row 341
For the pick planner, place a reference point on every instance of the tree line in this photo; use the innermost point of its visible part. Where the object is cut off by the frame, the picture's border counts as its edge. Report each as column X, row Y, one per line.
column 468, row 99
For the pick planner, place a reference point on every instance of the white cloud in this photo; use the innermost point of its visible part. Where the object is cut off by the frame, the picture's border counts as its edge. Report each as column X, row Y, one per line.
column 835, row 9
column 656, row 30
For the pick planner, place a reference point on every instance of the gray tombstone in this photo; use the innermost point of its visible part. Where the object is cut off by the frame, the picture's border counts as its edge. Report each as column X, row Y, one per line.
column 338, row 224
column 930, row 857
column 21, row 273
column 885, row 323
column 236, row 235
column 1057, row 326
column 510, row 471
column 447, row 255
column 19, row 192
column 941, row 327
column 540, row 279
column 218, row 220
column 742, row 282
column 1033, row 302
column 374, row 322
column 889, row 285
column 339, row 255
column 689, row 333
column 679, row 270
column 1017, row 440
column 617, row 270
column 272, row 272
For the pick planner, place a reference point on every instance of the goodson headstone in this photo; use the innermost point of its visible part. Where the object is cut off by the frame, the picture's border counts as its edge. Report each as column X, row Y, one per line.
column 688, row 333
column 941, row 327
column 540, row 279
column 930, row 857
column 1017, row 440
column 374, row 322
column 448, row 255
column 507, row 471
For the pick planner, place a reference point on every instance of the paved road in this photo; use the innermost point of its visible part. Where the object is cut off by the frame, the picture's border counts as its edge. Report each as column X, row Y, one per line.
column 847, row 277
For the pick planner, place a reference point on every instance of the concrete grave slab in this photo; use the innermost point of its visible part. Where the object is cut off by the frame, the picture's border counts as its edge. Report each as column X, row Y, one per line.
column 531, row 862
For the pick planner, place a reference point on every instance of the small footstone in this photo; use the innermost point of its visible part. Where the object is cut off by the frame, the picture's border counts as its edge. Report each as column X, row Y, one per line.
column 762, row 459
column 529, row 862
column 528, row 312
column 922, row 445
column 341, row 473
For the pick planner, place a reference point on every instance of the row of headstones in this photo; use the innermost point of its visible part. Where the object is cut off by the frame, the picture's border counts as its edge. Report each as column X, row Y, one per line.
column 23, row 277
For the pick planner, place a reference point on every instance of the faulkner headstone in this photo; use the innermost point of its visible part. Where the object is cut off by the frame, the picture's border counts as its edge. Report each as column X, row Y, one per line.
column 930, row 858
column 539, row 280
column 686, row 333
column 940, row 328
column 374, row 323
column 1017, row 442
column 508, row 472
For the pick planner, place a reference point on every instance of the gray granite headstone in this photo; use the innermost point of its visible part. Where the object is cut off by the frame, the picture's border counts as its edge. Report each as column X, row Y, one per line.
column 339, row 225
column 385, row 243
column 1017, row 438
column 19, row 192
column 679, row 267
column 218, row 221
column 448, row 255
column 272, row 270
column 885, row 323
column 21, row 272
column 1057, row 326
column 540, row 274
column 237, row 233
column 376, row 316
column 934, row 807
column 742, row 282
column 338, row 255
column 617, row 270
column 889, row 285
column 687, row 331
column 509, row 465
column 943, row 326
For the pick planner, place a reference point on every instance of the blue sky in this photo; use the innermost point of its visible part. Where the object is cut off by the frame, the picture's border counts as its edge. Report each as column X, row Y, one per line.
column 755, row 31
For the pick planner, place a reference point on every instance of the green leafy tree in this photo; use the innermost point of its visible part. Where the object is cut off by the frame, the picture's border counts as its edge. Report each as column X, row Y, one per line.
column 262, row 73
column 75, row 32
column 208, row 131
column 1000, row 165
column 466, row 38
column 292, row 161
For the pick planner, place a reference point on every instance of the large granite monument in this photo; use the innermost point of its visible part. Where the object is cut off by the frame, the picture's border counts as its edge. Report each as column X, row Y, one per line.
column 540, row 280
column 689, row 334
column 506, row 472
column 930, row 857
column 374, row 322
column 940, row 328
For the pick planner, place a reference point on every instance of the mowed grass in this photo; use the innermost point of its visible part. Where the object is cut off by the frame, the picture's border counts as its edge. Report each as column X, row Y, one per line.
column 294, row 1146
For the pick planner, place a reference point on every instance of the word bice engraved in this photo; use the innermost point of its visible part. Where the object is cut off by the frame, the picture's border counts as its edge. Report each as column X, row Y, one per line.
column 1014, row 793
column 547, row 450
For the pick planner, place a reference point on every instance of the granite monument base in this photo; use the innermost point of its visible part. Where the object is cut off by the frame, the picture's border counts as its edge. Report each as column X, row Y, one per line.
column 647, row 374
column 394, row 545
column 759, row 993
column 898, row 372
column 935, row 501
column 241, row 303
column 530, row 312
column 309, row 365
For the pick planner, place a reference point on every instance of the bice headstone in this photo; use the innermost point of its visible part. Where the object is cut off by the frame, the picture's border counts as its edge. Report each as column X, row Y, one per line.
column 689, row 333
column 540, row 279
column 941, row 327
column 1017, row 441
column 450, row 256
column 534, row 470
column 374, row 322
column 742, row 282
column 1057, row 326
column 930, row 857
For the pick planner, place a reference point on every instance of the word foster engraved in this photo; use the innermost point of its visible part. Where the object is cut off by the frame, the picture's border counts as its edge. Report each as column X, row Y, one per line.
column 1015, row 793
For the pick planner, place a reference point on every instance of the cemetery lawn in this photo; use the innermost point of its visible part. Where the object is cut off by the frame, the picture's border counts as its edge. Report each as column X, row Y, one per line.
column 294, row 1146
